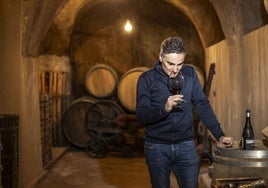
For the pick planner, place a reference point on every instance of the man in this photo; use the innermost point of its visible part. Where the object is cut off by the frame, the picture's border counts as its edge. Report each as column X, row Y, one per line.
column 169, row 136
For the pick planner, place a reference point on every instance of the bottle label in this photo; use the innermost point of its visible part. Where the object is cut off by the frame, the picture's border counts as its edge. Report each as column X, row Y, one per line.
column 248, row 144
column 249, row 141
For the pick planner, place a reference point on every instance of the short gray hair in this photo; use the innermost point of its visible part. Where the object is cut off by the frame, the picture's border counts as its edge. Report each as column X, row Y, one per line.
column 172, row 45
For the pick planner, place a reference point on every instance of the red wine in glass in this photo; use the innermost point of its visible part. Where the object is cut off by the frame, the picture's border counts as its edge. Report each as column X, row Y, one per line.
column 175, row 86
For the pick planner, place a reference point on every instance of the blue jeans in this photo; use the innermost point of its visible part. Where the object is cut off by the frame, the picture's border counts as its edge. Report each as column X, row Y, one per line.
column 180, row 158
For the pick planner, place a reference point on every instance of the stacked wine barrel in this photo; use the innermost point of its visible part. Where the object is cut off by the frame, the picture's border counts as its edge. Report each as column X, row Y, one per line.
column 101, row 81
column 103, row 86
column 127, row 89
column 73, row 121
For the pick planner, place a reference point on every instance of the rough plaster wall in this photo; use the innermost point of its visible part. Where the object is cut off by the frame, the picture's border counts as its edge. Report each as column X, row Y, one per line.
column 9, row 56
column 30, row 131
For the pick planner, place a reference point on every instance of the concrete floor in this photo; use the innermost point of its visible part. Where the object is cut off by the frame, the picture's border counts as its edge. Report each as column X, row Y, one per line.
column 76, row 169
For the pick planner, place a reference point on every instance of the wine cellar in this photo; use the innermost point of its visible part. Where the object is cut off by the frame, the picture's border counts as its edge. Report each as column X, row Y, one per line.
column 69, row 73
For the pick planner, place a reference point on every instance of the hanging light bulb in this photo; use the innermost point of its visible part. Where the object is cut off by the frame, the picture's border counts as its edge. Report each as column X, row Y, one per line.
column 128, row 26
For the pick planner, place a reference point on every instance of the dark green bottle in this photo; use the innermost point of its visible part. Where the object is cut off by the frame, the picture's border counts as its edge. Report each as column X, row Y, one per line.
column 248, row 134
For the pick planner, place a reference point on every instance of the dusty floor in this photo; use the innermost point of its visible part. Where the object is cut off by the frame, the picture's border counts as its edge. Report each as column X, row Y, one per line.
column 76, row 169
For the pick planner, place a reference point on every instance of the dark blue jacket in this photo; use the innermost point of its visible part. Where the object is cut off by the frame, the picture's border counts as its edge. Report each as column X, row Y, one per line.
column 172, row 127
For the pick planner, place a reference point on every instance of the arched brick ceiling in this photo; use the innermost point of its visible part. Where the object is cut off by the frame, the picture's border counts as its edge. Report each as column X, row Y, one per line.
column 97, row 34
column 231, row 18
column 239, row 17
column 204, row 18
column 201, row 13
column 37, row 17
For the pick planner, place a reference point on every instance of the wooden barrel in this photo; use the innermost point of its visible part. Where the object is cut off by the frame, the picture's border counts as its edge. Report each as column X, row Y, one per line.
column 200, row 75
column 101, row 123
column 103, row 114
column 127, row 88
column 237, row 163
column 73, row 121
column 101, row 81
column 9, row 124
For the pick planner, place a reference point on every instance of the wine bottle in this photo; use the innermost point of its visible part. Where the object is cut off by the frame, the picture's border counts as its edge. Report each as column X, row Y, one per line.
column 248, row 134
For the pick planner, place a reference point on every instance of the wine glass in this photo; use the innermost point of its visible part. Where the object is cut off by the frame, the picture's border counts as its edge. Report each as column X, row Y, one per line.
column 175, row 85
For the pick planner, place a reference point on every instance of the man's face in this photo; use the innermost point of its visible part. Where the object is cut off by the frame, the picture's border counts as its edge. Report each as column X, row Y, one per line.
column 172, row 63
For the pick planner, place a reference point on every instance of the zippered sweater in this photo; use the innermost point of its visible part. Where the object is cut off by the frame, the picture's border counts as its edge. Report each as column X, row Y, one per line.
column 177, row 126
